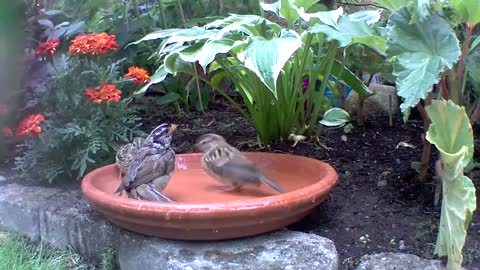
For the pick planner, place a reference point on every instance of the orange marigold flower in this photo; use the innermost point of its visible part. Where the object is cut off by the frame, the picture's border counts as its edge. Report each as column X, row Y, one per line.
column 3, row 108
column 93, row 43
column 48, row 47
column 139, row 75
column 81, row 44
column 7, row 132
column 30, row 125
column 105, row 92
column 104, row 43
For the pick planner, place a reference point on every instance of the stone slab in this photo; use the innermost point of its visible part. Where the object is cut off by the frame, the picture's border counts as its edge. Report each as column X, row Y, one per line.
column 62, row 217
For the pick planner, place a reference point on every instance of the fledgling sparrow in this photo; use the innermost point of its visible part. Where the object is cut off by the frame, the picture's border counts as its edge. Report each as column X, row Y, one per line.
column 124, row 156
column 153, row 165
column 228, row 165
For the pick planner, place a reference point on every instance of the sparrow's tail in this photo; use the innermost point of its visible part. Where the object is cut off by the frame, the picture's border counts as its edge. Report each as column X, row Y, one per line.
column 271, row 184
column 155, row 195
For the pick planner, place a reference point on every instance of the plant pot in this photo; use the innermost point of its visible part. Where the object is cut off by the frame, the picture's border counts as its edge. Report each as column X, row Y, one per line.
column 200, row 212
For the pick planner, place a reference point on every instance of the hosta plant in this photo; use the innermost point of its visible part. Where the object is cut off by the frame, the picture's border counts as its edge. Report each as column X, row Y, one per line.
column 268, row 64
column 430, row 44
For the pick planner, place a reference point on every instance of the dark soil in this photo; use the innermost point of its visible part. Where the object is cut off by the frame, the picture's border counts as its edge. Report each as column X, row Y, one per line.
column 378, row 193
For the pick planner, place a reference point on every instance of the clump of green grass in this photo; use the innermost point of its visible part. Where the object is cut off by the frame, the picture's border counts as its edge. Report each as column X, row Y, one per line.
column 17, row 254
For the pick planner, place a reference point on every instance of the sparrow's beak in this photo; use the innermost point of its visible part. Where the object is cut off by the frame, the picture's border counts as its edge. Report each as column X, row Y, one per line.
column 173, row 127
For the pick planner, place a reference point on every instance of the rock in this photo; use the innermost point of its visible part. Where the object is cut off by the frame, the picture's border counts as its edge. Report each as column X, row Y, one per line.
column 62, row 217
column 282, row 249
column 377, row 104
column 398, row 261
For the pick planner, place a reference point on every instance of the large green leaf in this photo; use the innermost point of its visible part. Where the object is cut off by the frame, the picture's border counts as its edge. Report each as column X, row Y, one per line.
column 329, row 18
column 348, row 32
column 451, row 132
column 468, row 10
column 247, row 24
column 266, row 57
column 422, row 10
column 290, row 10
column 367, row 16
column 158, row 77
column 177, row 35
column 206, row 53
column 347, row 77
column 421, row 51
column 392, row 4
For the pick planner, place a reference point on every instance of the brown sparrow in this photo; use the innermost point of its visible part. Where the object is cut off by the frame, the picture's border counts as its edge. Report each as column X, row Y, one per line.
column 152, row 167
column 228, row 165
column 124, row 156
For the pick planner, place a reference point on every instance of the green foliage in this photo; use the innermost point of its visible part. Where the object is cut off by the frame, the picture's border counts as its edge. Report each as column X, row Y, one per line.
column 268, row 63
column 77, row 133
column 16, row 253
column 421, row 52
column 335, row 117
column 452, row 134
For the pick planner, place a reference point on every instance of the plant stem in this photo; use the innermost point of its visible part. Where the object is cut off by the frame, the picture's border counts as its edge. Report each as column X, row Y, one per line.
column 197, row 85
column 330, row 58
column 178, row 110
column 161, row 8
column 461, row 66
column 475, row 115
column 443, row 88
column 427, row 147
column 182, row 14
column 466, row 44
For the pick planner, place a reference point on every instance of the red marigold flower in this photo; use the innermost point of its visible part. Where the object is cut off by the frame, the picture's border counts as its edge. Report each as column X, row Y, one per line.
column 103, row 43
column 93, row 43
column 3, row 108
column 48, row 47
column 30, row 125
column 7, row 132
column 81, row 44
column 139, row 75
column 105, row 92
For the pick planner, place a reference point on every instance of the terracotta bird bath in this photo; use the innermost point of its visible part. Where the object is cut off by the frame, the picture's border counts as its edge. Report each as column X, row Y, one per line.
column 201, row 212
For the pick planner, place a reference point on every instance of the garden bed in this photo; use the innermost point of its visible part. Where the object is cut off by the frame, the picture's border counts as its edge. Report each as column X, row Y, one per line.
column 378, row 194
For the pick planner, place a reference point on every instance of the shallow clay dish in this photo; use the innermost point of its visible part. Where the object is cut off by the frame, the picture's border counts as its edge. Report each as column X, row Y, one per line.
column 201, row 212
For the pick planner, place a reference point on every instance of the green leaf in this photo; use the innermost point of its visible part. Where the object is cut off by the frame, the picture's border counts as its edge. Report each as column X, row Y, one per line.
column 472, row 64
column 207, row 52
column 421, row 51
column 179, row 35
column 451, row 132
column 335, row 117
column 422, row 10
column 349, row 32
column 392, row 5
column 288, row 11
column 266, row 58
column 158, row 77
column 474, row 44
column 367, row 16
column 168, row 98
column 329, row 18
column 347, row 77
column 468, row 10
column 159, row 34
